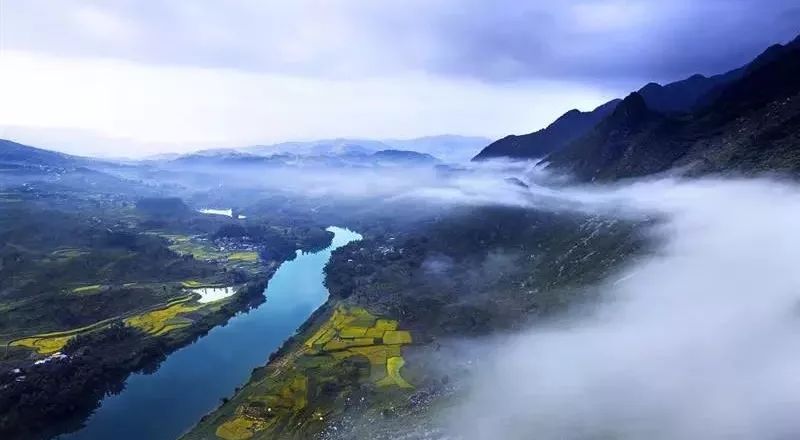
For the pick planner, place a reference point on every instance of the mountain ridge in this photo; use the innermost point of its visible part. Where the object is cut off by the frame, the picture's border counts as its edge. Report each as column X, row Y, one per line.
column 690, row 95
column 538, row 144
column 753, row 125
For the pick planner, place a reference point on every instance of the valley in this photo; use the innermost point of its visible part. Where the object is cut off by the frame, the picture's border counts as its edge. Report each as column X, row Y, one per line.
column 579, row 281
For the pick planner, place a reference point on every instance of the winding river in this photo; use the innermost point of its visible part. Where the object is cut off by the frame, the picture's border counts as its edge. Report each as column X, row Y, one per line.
column 192, row 380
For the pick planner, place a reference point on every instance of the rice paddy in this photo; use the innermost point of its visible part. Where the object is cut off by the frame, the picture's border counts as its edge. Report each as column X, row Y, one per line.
column 43, row 345
column 285, row 399
column 162, row 321
column 249, row 256
column 155, row 322
column 238, row 428
column 393, row 366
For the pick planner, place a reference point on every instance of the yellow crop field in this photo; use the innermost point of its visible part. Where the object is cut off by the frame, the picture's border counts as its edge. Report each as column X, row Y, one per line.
column 159, row 322
column 397, row 337
column 287, row 394
column 393, row 366
column 238, row 428
column 243, row 256
column 43, row 345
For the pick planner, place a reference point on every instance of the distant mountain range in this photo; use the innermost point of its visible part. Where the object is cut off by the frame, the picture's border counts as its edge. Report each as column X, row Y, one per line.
column 347, row 157
column 449, row 148
column 688, row 98
column 332, row 152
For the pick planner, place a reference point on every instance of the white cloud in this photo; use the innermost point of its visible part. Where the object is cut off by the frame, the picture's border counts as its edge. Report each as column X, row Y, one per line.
column 191, row 107
column 697, row 341
column 103, row 24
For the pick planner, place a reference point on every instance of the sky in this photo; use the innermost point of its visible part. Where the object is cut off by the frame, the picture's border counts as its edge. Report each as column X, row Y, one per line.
column 132, row 78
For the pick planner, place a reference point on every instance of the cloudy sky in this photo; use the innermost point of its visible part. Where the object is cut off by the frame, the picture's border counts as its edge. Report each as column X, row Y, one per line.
column 127, row 77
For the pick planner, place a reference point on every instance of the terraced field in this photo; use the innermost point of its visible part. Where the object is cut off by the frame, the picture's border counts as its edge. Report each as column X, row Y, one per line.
column 296, row 393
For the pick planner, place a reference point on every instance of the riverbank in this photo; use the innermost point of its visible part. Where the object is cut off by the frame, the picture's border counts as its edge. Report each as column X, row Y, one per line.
column 192, row 380
column 61, row 391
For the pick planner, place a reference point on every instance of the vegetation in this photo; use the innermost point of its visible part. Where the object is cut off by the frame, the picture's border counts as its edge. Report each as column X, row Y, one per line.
column 158, row 322
column 43, row 345
column 308, row 380
column 243, row 256
column 89, row 270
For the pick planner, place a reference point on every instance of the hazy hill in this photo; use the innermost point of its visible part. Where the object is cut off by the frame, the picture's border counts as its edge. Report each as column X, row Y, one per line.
column 447, row 147
column 14, row 153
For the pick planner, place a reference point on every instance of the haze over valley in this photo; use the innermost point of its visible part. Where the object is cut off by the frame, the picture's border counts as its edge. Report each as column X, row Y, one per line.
column 263, row 234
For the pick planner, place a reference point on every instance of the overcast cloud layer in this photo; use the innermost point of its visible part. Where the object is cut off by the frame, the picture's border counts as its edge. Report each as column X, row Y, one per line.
column 191, row 72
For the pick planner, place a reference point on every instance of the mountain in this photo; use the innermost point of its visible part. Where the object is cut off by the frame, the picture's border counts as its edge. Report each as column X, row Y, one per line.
column 349, row 158
column 224, row 157
column 613, row 140
column 447, row 147
column 677, row 97
column 403, row 157
column 324, row 147
column 690, row 95
column 568, row 127
column 686, row 95
column 18, row 154
column 751, row 125
column 452, row 148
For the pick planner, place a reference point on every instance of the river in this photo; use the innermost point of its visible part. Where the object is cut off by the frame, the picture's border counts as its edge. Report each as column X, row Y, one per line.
column 192, row 380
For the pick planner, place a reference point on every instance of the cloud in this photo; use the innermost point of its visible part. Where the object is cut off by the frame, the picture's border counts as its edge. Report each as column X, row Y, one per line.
column 698, row 341
column 179, row 108
column 490, row 40
column 205, row 73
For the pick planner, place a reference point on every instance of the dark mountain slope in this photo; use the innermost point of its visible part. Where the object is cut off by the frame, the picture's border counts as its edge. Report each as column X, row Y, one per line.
column 612, row 144
column 568, row 127
column 693, row 94
column 753, row 125
column 688, row 94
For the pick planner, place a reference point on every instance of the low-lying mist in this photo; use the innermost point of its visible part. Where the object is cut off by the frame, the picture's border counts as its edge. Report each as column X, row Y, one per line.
column 474, row 183
column 699, row 340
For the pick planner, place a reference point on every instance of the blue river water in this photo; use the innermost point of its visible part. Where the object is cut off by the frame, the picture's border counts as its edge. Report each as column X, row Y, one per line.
column 192, row 380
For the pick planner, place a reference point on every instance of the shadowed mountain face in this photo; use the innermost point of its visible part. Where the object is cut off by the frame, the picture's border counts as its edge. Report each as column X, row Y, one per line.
column 688, row 94
column 568, row 127
column 752, row 125
column 693, row 95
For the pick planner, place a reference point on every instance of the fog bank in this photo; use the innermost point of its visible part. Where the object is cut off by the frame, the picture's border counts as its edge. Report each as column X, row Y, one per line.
column 700, row 340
